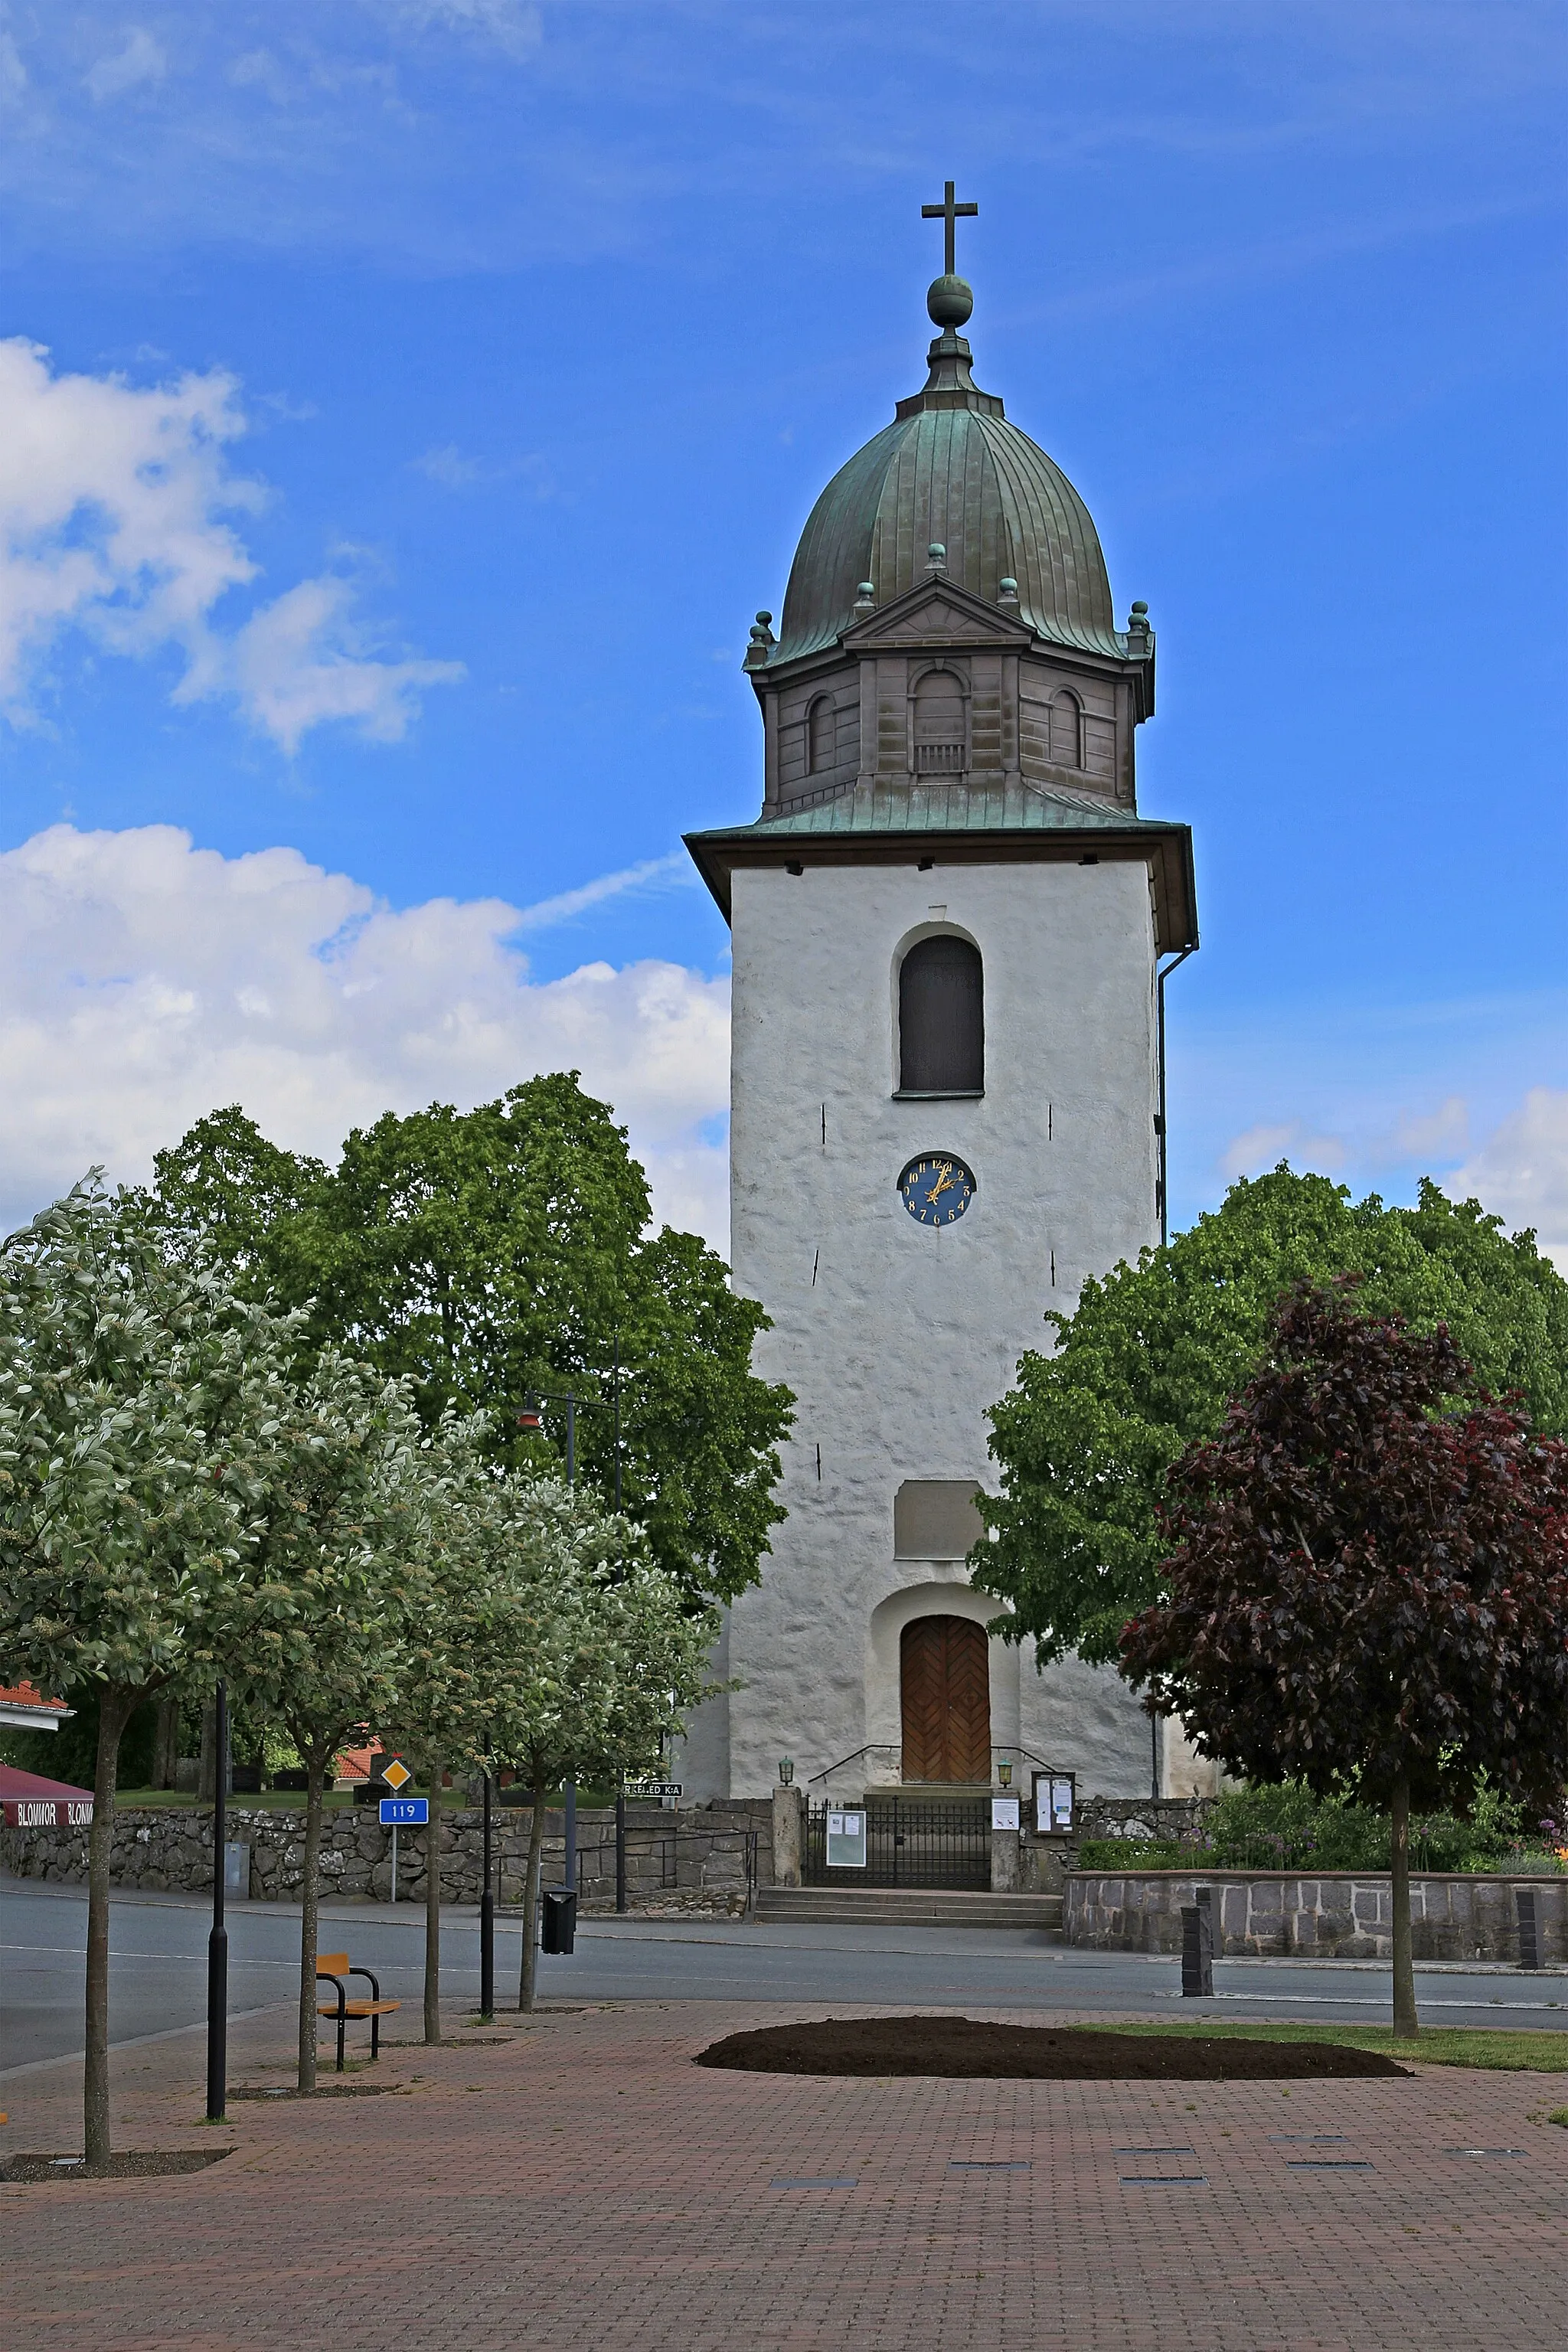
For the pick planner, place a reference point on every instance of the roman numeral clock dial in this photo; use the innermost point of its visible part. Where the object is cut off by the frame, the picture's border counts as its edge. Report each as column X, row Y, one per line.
column 937, row 1188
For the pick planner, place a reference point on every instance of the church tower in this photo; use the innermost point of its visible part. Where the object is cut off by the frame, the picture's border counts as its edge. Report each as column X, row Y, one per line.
column 947, row 923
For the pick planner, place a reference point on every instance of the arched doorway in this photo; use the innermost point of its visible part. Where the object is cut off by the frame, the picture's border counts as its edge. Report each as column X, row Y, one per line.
column 945, row 1688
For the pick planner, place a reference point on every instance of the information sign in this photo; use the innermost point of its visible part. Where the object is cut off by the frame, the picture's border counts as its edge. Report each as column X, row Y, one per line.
column 1053, row 1805
column 1004, row 1812
column 846, row 1839
column 406, row 1813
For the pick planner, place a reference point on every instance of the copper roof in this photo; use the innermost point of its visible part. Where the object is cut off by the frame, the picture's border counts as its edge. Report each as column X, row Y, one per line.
column 951, row 468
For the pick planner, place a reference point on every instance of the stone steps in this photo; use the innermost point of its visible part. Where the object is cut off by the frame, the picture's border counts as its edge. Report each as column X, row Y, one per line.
column 916, row 1906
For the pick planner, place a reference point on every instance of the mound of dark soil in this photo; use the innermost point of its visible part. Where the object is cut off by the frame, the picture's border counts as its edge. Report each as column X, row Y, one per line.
column 966, row 2046
column 132, row 2164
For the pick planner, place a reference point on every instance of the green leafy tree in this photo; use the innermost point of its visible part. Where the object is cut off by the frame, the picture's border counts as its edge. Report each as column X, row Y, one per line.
column 1145, row 1363
column 136, row 1400
column 486, row 1254
column 1367, row 1572
column 591, row 1653
column 446, row 1696
column 317, row 1637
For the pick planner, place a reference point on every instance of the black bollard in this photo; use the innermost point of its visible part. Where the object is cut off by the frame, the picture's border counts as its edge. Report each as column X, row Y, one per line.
column 1197, row 1947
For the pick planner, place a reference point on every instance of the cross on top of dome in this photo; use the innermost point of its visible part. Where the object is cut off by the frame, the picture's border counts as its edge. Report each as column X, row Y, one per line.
column 949, row 299
column 947, row 212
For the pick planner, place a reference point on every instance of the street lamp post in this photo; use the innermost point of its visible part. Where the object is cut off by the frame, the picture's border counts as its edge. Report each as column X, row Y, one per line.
column 488, row 1921
column 218, row 1942
column 530, row 1419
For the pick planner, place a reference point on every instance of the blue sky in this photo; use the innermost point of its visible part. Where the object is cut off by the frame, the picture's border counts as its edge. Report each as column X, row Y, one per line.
column 429, row 393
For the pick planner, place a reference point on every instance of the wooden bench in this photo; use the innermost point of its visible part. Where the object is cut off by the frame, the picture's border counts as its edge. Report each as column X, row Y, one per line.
column 334, row 1967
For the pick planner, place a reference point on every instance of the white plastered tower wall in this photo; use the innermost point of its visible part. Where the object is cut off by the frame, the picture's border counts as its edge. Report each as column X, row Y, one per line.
column 895, row 1337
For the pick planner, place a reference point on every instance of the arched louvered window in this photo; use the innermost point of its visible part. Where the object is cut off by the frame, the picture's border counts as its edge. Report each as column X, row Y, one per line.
column 1067, row 723
column 940, row 748
column 821, row 747
column 942, row 1019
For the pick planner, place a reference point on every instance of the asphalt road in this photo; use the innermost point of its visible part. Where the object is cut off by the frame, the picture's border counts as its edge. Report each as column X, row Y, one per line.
column 158, row 1981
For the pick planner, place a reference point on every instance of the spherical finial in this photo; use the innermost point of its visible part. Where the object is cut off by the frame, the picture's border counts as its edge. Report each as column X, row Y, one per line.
column 1140, row 609
column 949, row 301
column 936, row 556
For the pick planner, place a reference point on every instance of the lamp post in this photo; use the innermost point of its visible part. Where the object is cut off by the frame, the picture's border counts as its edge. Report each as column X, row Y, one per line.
column 487, row 1921
column 218, row 1942
column 529, row 1418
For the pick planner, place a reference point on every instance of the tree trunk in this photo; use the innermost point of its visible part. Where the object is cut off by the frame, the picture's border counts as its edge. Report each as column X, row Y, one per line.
column 206, row 1771
column 530, row 1975
column 433, row 1911
column 315, row 1769
column 113, row 1713
column 1405, row 2023
column 166, row 1741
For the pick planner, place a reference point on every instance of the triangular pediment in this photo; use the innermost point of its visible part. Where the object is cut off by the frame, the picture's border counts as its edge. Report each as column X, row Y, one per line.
column 937, row 612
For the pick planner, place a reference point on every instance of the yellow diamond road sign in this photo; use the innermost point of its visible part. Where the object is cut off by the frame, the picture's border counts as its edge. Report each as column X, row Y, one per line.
column 396, row 1773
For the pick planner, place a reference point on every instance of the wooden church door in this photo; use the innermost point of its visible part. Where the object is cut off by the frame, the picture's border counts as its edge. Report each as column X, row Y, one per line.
column 944, row 1678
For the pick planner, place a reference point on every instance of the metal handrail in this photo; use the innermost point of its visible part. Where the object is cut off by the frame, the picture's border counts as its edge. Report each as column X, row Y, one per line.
column 883, row 1745
column 894, row 1747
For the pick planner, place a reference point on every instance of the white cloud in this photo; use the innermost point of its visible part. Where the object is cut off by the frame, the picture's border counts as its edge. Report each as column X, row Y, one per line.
column 1521, row 1171
column 139, row 61
column 1264, row 1145
column 13, row 72
column 115, row 506
column 1431, row 1135
column 515, row 27
column 677, row 866
column 143, row 983
column 294, row 666
column 448, row 465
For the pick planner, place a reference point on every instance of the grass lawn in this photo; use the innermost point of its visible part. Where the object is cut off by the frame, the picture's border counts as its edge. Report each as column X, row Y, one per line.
column 1536, row 2052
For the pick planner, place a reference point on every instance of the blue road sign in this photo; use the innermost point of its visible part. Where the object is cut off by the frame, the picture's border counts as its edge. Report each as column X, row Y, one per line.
column 405, row 1813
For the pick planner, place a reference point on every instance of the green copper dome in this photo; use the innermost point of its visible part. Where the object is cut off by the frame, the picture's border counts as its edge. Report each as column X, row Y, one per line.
column 951, row 469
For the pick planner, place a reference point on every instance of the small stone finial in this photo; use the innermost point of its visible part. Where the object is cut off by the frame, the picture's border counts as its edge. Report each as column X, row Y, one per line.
column 936, row 556
column 949, row 301
column 1138, row 630
column 762, row 642
column 865, row 597
column 1007, row 592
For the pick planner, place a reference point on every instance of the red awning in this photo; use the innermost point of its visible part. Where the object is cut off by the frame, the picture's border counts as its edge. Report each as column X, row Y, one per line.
column 32, row 1802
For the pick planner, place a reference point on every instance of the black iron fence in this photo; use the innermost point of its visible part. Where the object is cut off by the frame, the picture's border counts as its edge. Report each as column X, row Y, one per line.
column 908, row 1843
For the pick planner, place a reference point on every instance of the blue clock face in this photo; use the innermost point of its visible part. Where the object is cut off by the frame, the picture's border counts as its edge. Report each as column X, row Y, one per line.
column 936, row 1189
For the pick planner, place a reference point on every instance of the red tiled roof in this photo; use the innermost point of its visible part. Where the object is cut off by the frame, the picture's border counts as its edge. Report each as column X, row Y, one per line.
column 23, row 1694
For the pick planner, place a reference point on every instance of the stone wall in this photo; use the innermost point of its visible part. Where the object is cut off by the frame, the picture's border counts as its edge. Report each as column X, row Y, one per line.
column 1142, row 1817
column 694, row 1859
column 1345, row 1914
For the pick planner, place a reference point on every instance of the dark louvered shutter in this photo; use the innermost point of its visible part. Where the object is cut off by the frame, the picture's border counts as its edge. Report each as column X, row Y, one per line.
column 942, row 1019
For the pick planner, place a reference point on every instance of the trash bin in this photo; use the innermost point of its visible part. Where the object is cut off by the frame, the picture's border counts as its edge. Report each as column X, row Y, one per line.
column 558, row 1925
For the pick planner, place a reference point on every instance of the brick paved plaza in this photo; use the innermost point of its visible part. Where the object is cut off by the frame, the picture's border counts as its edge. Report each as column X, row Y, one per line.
column 580, row 2184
